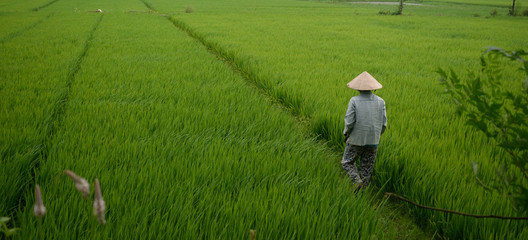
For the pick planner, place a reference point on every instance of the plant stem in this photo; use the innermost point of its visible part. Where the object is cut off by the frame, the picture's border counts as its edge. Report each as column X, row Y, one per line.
column 451, row 211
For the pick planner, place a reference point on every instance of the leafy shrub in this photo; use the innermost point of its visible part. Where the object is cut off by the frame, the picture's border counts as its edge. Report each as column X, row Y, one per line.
column 494, row 12
column 500, row 112
column 388, row 12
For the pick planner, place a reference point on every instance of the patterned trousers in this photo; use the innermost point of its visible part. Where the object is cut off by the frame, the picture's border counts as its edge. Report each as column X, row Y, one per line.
column 367, row 158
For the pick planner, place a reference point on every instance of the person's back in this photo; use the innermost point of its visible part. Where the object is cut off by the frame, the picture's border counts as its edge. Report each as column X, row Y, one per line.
column 369, row 121
column 365, row 121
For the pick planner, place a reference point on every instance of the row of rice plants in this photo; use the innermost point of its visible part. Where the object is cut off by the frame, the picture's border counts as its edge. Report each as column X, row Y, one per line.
column 23, row 5
column 38, row 60
column 185, row 149
column 35, row 64
column 13, row 29
column 426, row 153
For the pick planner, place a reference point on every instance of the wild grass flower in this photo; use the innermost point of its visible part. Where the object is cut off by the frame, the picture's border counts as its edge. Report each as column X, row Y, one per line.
column 99, row 204
column 80, row 183
column 252, row 234
column 39, row 210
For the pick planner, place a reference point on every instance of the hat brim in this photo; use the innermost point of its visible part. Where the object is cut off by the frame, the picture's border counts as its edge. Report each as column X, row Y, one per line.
column 364, row 82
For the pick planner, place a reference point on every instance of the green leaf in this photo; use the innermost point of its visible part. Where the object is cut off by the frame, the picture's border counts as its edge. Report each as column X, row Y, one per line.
column 442, row 73
column 454, row 78
column 495, row 107
column 480, row 125
column 12, row 231
column 4, row 219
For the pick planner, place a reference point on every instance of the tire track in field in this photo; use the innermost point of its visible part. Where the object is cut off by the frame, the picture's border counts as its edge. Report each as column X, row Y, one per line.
column 45, row 5
column 52, row 123
column 15, row 34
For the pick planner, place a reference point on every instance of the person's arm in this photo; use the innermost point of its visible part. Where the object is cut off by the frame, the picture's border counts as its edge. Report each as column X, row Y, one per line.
column 350, row 118
column 384, row 119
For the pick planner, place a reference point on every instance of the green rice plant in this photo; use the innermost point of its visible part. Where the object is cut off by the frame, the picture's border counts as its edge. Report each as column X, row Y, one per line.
column 34, row 75
column 185, row 148
column 4, row 229
column 426, row 154
column 13, row 30
column 23, row 5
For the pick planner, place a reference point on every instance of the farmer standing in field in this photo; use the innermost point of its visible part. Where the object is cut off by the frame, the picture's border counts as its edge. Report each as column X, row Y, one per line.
column 365, row 121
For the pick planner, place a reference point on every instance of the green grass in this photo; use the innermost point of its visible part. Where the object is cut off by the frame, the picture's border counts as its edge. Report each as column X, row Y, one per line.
column 23, row 5
column 305, row 62
column 185, row 147
column 34, row 76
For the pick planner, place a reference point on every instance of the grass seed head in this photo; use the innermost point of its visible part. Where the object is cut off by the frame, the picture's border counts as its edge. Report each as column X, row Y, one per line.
column 80, row 183
column 99, row 204
column 252, row 234
column 39, row 210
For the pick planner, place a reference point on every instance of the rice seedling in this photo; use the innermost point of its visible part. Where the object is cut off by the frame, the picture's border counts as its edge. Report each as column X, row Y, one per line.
column 186, row 149
column 23, row 6
column 33, row 81
column 427, row 153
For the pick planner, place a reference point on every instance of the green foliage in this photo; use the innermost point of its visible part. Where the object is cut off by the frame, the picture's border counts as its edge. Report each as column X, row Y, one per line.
column 185, row 148
column 497, row 107
column 5, row 230
column 33, row 80
column 399, row 11
column 425, row 152
column 494, row 12
column 388, row 12
column 189, row 9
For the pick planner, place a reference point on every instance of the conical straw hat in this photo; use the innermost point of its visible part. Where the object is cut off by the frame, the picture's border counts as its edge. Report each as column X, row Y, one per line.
column 364, row 81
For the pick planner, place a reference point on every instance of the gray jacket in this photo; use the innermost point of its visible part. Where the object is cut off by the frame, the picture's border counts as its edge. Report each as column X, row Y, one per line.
column 365, row 119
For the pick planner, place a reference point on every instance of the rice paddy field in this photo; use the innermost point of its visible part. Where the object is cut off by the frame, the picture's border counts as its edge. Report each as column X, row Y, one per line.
column 205, row 119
